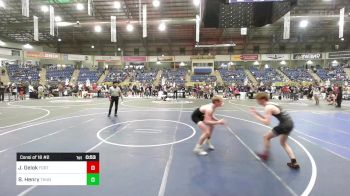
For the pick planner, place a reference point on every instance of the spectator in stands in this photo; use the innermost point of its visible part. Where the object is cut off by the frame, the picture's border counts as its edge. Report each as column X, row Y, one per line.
column 14, row 91
column 339, row 97
column 22, row 92
column 331, row 98
column 2, row 91
column 40, row 92
column 316, row 93
column 237, row 93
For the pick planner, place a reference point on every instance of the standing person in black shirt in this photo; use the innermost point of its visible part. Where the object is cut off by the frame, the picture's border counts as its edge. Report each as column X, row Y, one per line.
column 114, row 94
column 2, row 91
column 339, row 98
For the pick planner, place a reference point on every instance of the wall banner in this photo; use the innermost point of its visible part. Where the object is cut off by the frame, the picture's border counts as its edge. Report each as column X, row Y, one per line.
column 275, row 57
column 307, row 56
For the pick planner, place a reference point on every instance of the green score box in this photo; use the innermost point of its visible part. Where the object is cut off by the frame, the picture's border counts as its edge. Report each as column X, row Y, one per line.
column 93, row 179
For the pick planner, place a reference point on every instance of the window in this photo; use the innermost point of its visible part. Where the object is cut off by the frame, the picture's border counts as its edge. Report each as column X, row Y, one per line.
column 182, row 51
column 230, row 50
column 159, row 51
column 256, row 49
column 282, row 48
column 136, row 51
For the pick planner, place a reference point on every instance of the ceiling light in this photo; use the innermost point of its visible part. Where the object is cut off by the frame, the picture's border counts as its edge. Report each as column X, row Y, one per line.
column 158, row 63
column 117, row 5
column 98, row 29
column 256, row 63
column 58, row 18
column 182, row 64
column 59, row 40
column 129, row 27
column 27, row 46
column 342, row 39
column 283, row 63
column 335, row 62
column 2, row 43
column 92, row 46
column 44, row 8
column 156, row 3
column 80, row 6
column 2, row 4
column 196, row 2
column 303, row 23
column 162, row 26
column 119, row 49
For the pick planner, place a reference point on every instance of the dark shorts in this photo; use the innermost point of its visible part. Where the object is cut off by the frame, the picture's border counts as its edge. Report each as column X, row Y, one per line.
column 284, row 128
column 197, row 116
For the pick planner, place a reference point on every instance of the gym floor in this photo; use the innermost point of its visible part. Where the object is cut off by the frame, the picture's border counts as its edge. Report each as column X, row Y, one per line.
column 147, row 149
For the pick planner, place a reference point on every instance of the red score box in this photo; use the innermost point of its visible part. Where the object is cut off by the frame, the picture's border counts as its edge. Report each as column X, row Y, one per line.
column 93, row 167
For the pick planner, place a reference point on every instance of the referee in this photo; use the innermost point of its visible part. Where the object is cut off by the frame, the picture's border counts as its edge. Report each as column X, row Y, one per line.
column 114, row 94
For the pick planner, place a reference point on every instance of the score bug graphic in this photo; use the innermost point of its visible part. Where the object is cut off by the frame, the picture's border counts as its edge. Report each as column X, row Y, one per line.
column 58, row 169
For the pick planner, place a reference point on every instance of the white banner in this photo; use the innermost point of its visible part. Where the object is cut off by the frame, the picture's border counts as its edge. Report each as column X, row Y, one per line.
column 52, row 21
column 36, row 28
column 341, row 22
column 198, row 24
column 113, row 29
column 222, row 57
column 275, row 57
column 144, row 21
column 107, row 58
column 25, row 8
column 286, row 33
column 75, row 57
column 4, row 51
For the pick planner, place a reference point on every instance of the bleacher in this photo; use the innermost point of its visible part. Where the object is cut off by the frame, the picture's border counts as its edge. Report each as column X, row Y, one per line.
column 298, row 75
column 268, row 75
column 200, row 71
column 54, row 74
column 92, row 75
column 175, row 75
column 21, row 74
column 337, row 74
column 145, row 76
column 116, row 75
column 233, row 76
column 203, row 78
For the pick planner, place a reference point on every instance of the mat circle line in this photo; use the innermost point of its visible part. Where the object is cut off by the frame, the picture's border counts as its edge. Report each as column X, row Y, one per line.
column 98, row 134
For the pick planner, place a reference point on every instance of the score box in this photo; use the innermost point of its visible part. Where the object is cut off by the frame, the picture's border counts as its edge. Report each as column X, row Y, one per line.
column 58, row 169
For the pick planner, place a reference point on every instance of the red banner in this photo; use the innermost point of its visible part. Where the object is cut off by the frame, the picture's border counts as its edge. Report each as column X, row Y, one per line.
column 245, row 57
column 135, row 58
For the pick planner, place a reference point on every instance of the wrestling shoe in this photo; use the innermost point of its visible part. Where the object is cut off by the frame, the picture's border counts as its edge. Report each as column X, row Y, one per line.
column 263, row 156
column 199, row 150
column 210, row 145
column 293, row 165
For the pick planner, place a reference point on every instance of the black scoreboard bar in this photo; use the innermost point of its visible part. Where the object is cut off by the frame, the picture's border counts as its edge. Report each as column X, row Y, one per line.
column 42, row 156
